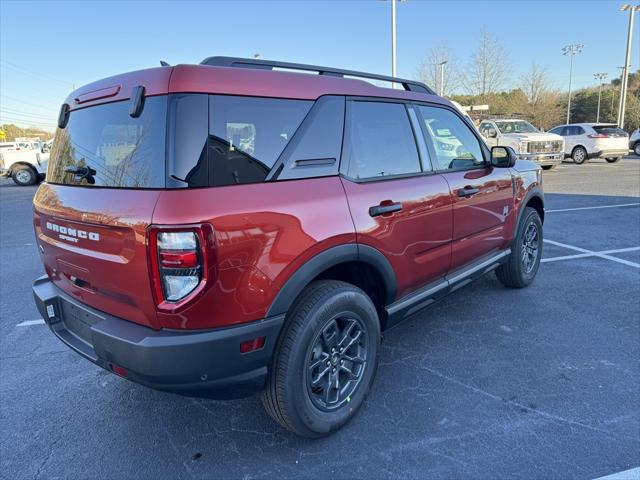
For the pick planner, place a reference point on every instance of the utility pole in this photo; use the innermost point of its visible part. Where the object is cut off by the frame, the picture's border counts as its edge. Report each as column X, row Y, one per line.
column 572, row 50
column 625, row 74
column 600, row 77
column 393, row 38
column 441, row 65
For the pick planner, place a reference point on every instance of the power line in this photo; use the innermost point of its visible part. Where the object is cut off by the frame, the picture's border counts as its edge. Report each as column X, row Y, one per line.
column 29, row 103
column 7, row 118
column 26, row 114
column 32, row 72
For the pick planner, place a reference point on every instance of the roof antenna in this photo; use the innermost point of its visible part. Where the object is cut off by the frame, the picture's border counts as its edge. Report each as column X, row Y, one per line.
column 164, row 64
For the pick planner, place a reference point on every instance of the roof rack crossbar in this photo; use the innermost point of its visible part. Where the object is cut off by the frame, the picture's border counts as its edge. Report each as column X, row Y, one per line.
column 410, row 85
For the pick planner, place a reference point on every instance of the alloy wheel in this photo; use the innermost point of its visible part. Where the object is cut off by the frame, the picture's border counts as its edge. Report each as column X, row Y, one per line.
column 336, row 362
column 530, row 247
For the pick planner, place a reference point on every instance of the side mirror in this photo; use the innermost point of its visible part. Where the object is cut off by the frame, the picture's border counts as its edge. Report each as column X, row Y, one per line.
column 503, row 157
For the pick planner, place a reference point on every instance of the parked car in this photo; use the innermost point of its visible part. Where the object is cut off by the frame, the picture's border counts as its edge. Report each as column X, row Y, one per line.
column 634, row 141
column 221, row 229
column 546, row 149
column 26, row 166
column 583, row 141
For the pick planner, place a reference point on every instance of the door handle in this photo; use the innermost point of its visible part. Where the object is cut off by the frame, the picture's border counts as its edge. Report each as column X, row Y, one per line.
column 385, row 208
column 467, row 191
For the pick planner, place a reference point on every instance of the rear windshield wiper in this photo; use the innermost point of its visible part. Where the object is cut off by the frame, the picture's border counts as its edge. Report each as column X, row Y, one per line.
column 82, row 173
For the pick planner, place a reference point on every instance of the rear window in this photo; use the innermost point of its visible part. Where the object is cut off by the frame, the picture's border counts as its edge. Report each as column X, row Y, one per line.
column 105, row 147
column 610, row 130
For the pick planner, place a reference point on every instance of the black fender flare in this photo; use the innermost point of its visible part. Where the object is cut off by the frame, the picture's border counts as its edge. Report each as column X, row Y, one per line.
column 351, row 252
column 534, row 192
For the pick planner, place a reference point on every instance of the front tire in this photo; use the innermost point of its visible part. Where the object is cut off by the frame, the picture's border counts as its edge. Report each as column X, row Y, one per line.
column 325, row 360
column 548, row 167
column 526, row 251
column 24, row 176
column 612, row 159
column 579, row 155
column 636, row 148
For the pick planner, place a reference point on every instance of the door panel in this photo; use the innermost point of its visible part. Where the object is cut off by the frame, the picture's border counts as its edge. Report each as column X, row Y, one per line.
column 416, row 239
column 482, row 195
column 480, row 220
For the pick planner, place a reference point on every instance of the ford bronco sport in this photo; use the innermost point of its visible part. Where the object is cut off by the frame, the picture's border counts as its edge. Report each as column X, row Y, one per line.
column 230, row 227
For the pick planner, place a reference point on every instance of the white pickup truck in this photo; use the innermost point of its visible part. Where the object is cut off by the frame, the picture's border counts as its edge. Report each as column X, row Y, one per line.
column 546, row 149
column 26, row 166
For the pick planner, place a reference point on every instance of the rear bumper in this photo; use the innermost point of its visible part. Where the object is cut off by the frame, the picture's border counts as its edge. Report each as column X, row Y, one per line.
column 542, row 159
column 199, row 363
column 620, row 152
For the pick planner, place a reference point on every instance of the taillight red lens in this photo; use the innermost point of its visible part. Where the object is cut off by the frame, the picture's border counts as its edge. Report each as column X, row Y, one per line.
column 178, row 262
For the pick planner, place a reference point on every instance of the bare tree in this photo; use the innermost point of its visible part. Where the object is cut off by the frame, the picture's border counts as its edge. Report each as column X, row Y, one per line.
column 429, row 71
column 488, row 69
column 535, row 83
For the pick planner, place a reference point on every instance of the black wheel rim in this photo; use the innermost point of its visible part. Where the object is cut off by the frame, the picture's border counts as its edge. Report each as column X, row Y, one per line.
column 530, row 247
column 336, row 362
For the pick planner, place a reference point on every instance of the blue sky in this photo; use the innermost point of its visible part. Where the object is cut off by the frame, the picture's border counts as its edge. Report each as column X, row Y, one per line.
column 48, row 47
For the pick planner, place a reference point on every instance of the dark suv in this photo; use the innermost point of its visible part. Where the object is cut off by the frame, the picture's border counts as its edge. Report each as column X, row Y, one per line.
column 230, row 227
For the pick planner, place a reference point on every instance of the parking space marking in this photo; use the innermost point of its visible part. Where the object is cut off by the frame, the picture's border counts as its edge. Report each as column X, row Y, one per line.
column 28, row 323
column 631, row 474
column 592, row 208
column 584, row 255
column 590, row 253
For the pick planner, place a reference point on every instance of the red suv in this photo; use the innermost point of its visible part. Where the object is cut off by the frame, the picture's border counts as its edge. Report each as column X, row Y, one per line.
column 229, row 227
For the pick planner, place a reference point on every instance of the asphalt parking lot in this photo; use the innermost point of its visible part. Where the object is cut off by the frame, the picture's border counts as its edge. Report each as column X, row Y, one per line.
column 542, row 382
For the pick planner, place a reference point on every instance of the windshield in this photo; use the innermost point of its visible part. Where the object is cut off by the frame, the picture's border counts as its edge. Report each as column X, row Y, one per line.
column 104, row 146
column 518, row 126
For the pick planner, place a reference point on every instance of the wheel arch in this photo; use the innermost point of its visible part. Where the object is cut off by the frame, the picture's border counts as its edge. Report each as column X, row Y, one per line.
column 16, row 165
column 361, row 265
column 533, row 199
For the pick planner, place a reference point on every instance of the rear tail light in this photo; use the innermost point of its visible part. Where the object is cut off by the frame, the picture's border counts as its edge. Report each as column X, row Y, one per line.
column 179, row 259
column 598, row 135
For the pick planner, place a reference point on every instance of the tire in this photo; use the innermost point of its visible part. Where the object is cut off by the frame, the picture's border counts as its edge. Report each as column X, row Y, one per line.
column 548, row 167
column 636, row 148
column 321, row 317
column 520, row 270
column 579, row 155
column 24, row 176
column 613, row 159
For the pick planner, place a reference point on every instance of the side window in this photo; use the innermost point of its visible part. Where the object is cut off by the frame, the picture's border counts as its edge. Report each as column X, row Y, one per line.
column 248, row 134
column 557, row 130
column 379, row 141
column 579, row 131
column 455, row 146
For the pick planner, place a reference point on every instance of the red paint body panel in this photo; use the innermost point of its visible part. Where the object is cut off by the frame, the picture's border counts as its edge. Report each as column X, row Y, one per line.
column 479, row 221
column 415, row 240
column 264, row 233
column 235, row 81
column 115, row 266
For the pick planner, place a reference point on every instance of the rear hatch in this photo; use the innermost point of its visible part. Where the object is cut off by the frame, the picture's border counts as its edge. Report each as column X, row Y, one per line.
column 106, row 171
column 613, row 137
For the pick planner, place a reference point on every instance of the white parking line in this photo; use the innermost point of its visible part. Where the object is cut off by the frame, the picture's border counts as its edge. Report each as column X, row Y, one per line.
column 590, row 253
column 28, row 323
column 631, row 474
column 584, row 255
column 593, row 208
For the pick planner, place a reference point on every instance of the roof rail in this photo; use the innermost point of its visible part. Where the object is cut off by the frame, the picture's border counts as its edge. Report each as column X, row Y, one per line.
column 410, row 85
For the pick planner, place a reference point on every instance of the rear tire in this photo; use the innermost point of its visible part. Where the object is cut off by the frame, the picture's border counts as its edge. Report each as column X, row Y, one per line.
column 332, row 327
column 24, row 176
column 526, row 251
column 636, row 148
column 613, row 159
column 579, row 155
column 548, row 167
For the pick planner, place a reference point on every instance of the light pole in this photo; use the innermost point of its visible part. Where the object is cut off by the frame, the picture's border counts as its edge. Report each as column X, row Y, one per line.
column 571, row 50
column 441, row 65
column 625, row 74
column 393, row 38
column 600, row 77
